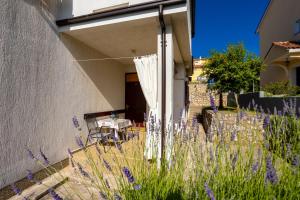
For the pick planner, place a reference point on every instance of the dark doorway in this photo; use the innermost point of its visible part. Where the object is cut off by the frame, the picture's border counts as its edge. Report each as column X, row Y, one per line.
column 298, row 76
column 135, row 103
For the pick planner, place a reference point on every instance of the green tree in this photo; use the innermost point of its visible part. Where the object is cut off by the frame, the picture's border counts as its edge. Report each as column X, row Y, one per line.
column 233, row 70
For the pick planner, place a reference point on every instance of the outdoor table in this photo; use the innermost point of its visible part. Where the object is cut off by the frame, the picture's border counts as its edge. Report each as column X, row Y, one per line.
column 115, row 124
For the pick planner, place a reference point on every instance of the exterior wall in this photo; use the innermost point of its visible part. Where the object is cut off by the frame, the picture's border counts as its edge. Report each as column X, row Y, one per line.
column 199, row 97
column 81, row 7
column 179, row 91
column 279, row 23
column 197, row 72
column 170, row 68
column 198, row 68
column 43, row 87
column 273, row 73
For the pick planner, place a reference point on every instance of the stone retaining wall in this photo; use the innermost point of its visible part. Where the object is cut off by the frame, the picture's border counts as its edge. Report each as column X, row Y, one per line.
column 200, row 97
column 229, row 122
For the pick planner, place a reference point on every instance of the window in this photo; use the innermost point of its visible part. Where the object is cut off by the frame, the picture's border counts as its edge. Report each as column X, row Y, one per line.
column 297, row 27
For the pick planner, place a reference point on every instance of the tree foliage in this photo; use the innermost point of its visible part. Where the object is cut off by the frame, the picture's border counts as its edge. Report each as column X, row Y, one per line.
column 233, row 70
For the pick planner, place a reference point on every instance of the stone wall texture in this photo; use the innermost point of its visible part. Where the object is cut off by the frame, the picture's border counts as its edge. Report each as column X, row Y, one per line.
column 226, row 122
column 199, row 95
column 43, row 87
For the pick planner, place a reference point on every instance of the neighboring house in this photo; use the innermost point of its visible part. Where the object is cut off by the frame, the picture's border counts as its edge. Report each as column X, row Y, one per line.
column 198, row 69
column 61, row 58
column 279, row 31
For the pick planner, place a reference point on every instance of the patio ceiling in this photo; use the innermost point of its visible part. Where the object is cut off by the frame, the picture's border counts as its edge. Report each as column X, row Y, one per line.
column 135, row 38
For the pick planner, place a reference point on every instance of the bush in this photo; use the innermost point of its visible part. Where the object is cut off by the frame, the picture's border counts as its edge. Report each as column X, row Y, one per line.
column 284, row 136
column 224, row 168
column 281, row 88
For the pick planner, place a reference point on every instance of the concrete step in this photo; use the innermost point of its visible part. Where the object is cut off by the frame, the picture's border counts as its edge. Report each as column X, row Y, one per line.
column 38, row 191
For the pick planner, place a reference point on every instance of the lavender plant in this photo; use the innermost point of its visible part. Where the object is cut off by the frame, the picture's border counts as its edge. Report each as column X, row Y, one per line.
column 234, row 164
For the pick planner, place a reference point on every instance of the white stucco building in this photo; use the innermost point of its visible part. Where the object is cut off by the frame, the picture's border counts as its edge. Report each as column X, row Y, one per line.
column 61, row 58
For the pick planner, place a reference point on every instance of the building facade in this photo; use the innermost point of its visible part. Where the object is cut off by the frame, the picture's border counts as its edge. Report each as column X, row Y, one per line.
column 61, row 58
column 279, row 32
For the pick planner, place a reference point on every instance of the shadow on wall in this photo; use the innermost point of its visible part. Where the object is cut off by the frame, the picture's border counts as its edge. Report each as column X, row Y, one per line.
column 107, row 75
column 273, row 73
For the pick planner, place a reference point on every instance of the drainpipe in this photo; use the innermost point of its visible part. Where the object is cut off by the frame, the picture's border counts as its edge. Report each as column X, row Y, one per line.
column 163, row 78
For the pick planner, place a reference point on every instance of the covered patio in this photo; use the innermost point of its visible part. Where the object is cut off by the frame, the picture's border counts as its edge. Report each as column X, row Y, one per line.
column 115, row 41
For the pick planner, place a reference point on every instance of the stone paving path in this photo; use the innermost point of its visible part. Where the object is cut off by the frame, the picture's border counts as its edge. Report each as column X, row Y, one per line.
column 133, row 149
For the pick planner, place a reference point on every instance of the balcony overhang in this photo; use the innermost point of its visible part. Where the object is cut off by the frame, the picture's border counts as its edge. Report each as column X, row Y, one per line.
column 133, row 33
column 283, row 53
column 148, row 9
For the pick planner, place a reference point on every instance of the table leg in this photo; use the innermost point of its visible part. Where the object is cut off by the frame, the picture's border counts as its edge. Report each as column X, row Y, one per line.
column 116, row 134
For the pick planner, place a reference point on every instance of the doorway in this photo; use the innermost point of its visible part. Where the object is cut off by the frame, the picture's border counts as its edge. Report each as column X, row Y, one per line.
column 135, row 102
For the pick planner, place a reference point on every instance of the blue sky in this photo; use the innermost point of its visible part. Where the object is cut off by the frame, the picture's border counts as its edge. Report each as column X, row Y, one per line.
column 220, row 22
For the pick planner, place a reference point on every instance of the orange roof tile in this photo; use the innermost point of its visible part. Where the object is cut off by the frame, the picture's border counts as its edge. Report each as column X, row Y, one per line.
column 287, row 44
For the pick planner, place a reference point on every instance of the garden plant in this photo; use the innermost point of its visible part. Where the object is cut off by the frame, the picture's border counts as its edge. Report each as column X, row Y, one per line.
column 231, row 163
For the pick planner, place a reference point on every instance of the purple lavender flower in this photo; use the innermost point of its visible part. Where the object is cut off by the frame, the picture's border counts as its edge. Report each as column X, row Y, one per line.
column 233, row 136
column 117, row 197
column 266, row 122
column 279, row 113
column 194, row 122
column 152, row 124
column 30, row 175
column 106, row 164
column 242, row 114
column 79, row 142
column 212, row 103
column 271, row 175
column 82, row 171
column 46, row 161
column 102, row 195
column 255, row 167
column 117, row 144
column 128, row 174
column 137, row 187
column 209, row 193
column 54, row 195
column 267, row 145
column 70, row 153
column 16, row 190
column 75, row 122
column 296, row 161
column 30, row 154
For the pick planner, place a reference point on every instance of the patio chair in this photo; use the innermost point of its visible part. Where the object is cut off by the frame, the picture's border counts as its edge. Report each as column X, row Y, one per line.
column 134, row 133
column 96, row 132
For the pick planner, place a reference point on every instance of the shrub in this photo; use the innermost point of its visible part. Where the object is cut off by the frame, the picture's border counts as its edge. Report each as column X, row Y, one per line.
column 223, row 168
column 284, row 136
column 281, row 88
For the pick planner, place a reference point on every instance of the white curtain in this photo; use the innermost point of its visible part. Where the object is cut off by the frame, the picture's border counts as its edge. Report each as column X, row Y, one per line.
column 147, row 70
